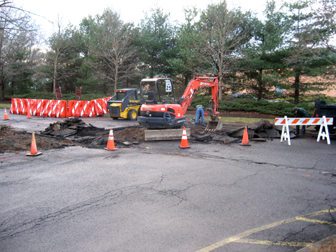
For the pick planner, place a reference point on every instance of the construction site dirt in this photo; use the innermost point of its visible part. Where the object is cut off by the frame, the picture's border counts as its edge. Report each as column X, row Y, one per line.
column 76, row 132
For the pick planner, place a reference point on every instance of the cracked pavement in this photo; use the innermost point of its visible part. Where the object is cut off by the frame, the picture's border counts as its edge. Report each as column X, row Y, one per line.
column 157, row 197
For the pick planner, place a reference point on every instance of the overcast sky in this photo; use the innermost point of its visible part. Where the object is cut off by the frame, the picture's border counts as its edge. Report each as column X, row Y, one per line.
column 73, row 11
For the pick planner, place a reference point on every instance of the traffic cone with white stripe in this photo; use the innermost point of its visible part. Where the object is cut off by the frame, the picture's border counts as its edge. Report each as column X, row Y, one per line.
column 245, row 141
column 110, row 142
column 33, row 148
column 184, row 141
column 6, row 115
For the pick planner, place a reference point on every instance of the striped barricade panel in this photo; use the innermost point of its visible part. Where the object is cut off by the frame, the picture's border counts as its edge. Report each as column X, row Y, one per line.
column 303, row 121
column 45, row 107
column 31, row 106
column 85, row 109
column 323, row 122
column 75, row 108
column 59, row 109
column 52, row 108
column 88, row 109
column 101, row 105
column 38, row 109
column 14, row 106
column 22, row 105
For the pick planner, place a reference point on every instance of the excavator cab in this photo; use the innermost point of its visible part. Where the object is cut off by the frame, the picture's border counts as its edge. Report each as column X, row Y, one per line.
column 157, row 91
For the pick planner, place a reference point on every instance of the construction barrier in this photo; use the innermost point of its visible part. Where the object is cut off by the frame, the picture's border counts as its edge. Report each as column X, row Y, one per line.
column 323, row 122
column 101, row 105
column 82, row 109
column 59, row 108
column 19, row 106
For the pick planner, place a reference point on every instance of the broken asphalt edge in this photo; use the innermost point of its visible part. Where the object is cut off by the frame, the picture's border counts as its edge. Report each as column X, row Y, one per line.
column 320, row 244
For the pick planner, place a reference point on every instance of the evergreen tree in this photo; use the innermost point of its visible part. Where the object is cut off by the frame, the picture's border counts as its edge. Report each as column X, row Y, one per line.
column 112, row 52
column 307, row 54
column 263, row 55
column 157, row 42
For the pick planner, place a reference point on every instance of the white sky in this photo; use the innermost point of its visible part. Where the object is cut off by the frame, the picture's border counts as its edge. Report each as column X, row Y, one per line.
column 73, row 11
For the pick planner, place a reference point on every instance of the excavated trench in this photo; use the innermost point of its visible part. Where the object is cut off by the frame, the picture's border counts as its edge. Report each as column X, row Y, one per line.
column 75, row 132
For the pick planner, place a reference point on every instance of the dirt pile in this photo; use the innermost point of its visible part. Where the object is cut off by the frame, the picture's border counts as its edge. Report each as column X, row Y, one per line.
column 16, row 141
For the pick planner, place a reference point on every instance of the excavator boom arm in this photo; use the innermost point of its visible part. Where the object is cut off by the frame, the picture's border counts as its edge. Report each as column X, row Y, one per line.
column 193, row 85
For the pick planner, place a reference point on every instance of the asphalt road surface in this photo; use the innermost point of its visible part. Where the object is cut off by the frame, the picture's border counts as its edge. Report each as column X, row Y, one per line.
column 157, row 197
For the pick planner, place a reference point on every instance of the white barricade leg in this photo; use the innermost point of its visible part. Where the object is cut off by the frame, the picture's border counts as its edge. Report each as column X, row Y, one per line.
column 324, row 134
column 285, row 134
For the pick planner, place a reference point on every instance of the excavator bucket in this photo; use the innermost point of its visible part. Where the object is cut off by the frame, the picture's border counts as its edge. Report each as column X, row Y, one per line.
column 214, row 125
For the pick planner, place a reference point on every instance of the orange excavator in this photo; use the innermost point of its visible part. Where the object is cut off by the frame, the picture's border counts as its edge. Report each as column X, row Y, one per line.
column 161, row 111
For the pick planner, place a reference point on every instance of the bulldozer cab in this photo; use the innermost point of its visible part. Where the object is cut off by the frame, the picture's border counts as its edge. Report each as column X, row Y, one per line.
column 126, row 96
column 157, row 91
column 125, row 103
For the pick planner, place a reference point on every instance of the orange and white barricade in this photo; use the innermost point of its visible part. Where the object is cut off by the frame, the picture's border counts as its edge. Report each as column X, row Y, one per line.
column 19, row 106
column 323, row 122
column 89, row 109
column 82, row 109
column 75, row 108
column 37, row 109
column 101, row 105
column 45, row 108
column 14, row 106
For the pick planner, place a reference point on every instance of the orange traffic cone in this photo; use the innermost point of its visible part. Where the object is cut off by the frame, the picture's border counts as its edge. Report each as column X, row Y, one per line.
column 33, row 149
column 184, row 141
column 110, row 142
column 245, row 141
column 6, row 115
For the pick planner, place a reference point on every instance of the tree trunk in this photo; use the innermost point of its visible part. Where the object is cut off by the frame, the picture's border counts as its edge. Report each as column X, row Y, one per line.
column 2, row 88
column 116, row 79
column 55, row 71
column 260, row 85
column 297, row 87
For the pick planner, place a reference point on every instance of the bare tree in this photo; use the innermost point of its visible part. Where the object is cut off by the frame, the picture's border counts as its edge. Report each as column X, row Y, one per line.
column 222, row 33
column 17, row 33
column 61, row 45
column 111, row 47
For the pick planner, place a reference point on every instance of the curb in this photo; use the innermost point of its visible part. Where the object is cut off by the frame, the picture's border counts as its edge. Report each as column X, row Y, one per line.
column 323, row 244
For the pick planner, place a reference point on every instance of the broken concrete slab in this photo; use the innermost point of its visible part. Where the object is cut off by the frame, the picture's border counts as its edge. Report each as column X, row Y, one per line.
column 257, row 125
column 273, row 133
column 63, row 133
column 228, row 140
column 240, row 133
column 268, row 125
column 202, row 137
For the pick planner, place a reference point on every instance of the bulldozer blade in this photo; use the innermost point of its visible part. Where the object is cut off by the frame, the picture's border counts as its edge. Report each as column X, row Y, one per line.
column 214, row 125
column 165, row 134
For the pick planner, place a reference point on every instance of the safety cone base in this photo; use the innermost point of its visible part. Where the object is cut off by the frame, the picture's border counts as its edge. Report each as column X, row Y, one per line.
column 111, row 149
column 36, row 154
column 187, row 147
column 245, row 144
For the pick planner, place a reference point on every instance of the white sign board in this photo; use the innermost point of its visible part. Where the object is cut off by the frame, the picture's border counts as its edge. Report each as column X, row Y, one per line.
column 168, row 86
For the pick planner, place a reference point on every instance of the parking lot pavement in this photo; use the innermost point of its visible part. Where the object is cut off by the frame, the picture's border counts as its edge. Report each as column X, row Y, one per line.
column 156, row 197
